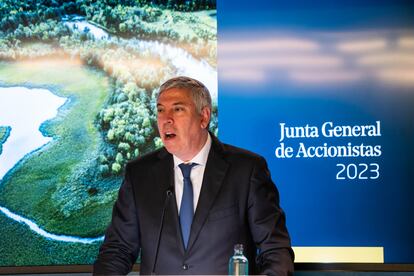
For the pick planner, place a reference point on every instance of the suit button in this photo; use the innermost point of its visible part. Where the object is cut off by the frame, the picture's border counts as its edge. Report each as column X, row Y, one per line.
column 185, row 266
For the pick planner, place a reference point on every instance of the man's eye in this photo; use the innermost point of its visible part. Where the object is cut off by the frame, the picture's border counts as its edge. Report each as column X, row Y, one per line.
column 159, row 110
column 178, row 109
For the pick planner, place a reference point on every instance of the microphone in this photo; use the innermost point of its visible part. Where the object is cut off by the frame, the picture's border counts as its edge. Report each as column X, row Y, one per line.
column 169, row 193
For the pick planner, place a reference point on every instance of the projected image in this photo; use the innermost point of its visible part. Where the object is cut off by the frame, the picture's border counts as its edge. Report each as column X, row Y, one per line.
column 78, row 88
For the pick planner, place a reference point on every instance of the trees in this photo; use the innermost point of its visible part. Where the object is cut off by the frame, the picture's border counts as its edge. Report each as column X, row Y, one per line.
column 127, row 123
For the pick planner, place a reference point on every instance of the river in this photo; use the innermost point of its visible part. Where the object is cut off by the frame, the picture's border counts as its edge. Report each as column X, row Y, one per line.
column 24, row 110
column 184, row 63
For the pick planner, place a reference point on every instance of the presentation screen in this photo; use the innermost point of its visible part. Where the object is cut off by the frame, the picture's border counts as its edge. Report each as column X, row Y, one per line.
column 324, row 90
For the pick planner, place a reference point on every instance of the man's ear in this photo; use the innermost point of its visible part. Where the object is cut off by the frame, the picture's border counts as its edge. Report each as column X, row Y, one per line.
column 205, row 117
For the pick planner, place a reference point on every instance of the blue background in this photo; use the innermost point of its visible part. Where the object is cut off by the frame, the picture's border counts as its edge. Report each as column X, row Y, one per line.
column 323, row 211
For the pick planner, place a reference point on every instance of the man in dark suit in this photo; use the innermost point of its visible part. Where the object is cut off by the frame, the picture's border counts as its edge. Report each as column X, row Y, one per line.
column 186, row 205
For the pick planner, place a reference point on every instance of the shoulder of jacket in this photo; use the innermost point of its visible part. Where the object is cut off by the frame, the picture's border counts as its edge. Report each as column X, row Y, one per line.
column 233, row 152
column 147, row 159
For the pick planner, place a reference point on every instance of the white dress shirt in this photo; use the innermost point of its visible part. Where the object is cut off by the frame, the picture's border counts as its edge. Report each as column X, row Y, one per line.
column 197, row 173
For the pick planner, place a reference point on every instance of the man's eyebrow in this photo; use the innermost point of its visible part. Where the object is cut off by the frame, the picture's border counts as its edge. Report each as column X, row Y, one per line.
column 174, row 104
column 179, row 103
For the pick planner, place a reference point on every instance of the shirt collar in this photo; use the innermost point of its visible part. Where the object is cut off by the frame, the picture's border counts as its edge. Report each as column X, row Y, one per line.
column 201, row 156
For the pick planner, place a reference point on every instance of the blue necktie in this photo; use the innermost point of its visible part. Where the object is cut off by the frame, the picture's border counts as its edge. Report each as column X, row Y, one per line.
column 187, row 203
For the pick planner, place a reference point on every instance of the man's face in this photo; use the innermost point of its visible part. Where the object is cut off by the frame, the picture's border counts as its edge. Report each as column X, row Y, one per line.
column 182, row 129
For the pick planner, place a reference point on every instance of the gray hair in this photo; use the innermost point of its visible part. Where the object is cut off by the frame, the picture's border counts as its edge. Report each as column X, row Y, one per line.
column 199, row 92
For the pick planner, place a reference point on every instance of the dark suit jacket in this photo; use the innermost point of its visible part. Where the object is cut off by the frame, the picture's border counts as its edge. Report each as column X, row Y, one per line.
column 238, row 204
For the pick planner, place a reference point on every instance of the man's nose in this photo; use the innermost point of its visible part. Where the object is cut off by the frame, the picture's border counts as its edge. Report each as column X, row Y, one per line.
column 168, row 117
column 169, row 120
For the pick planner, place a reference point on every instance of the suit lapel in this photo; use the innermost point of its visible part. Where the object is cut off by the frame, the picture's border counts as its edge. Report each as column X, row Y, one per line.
column 163, row 171
column 214, row 174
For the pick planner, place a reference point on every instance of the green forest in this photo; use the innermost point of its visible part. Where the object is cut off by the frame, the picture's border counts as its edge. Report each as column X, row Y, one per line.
column 110, row 116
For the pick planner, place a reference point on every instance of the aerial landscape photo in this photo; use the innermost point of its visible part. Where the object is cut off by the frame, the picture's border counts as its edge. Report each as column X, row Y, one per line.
column 78, row 88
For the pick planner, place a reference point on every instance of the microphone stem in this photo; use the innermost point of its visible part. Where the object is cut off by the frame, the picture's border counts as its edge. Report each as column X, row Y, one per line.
column 167, row 199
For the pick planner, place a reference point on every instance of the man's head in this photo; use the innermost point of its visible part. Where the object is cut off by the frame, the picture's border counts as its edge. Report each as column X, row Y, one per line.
column 184, row 110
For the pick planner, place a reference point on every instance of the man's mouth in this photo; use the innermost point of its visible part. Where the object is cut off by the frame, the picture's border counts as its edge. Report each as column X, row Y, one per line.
column 169, row 135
